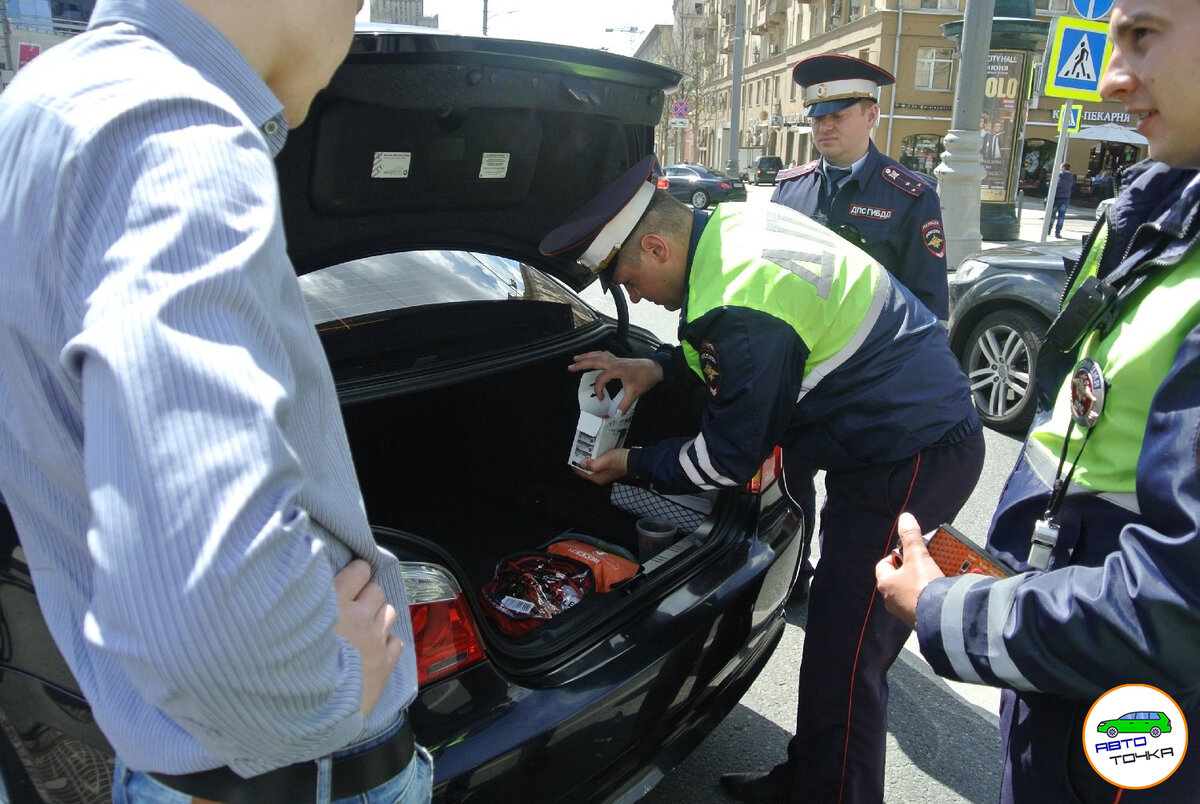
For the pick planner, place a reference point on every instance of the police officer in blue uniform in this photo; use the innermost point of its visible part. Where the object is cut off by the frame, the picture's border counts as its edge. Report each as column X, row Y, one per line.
column 879, row 205
column 803, row 341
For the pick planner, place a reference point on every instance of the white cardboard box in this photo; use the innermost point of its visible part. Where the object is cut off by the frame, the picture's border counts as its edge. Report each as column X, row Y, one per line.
column 601, row 426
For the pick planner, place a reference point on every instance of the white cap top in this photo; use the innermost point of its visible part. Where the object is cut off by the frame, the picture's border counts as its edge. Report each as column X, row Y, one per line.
column 610, row 239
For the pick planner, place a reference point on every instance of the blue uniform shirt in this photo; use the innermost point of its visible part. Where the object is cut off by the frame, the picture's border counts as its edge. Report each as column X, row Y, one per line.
column 886, row 210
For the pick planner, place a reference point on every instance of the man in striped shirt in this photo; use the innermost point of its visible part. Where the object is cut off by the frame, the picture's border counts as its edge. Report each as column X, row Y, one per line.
column 171, row 446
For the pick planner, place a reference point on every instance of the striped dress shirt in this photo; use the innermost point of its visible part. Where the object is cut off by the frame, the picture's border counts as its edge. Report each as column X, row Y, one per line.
column 171, row 446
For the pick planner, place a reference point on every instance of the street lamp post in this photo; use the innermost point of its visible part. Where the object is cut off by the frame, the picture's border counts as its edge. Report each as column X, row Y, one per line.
column 735, row 92
column 961, row 172
column 1006, row 25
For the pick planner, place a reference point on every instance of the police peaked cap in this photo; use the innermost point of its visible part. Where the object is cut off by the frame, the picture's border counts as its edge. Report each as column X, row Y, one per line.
column 597, row 230
column 832, row 82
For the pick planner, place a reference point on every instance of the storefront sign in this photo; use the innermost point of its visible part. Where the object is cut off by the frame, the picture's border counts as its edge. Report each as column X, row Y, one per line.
column 1101, row 117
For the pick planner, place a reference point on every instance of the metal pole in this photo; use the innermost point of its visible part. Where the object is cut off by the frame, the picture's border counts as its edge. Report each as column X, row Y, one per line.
column 735, row 92
column 961, row 172
column 485, row 17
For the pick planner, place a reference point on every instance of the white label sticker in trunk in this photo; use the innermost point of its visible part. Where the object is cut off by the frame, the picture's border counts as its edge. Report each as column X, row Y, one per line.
column 494, row 166
column 391, row 165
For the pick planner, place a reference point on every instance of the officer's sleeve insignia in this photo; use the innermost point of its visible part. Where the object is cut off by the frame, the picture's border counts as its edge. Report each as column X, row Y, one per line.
column 934, row 239
column 710, row 366
column 903, row 180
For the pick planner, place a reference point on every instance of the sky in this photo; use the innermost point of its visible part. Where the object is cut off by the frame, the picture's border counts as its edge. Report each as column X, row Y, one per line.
column 568, row 22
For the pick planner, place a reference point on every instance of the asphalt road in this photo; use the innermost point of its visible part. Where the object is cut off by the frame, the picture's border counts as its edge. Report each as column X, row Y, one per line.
column 943, row 740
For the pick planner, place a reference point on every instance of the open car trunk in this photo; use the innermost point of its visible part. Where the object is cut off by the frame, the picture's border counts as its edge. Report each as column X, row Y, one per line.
column 479, row 467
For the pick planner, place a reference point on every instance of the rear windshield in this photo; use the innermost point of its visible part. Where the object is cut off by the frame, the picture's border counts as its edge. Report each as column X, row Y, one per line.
column 408, row 309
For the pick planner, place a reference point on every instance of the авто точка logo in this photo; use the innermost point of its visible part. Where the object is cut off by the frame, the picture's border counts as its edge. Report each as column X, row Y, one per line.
column 1135, row 736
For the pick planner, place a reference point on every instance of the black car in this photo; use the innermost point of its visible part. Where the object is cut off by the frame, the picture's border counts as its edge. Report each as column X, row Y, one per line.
column 414, row 200
column 700, row 186
column 1001, row 301
column 765, row 169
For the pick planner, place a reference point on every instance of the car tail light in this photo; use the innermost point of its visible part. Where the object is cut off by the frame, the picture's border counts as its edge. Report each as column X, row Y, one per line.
column 768, row 473
column 445, row 632
column 662, row 182
column 725, row 185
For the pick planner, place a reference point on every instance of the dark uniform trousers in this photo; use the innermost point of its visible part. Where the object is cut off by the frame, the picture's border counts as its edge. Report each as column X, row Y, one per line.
column 851, row 640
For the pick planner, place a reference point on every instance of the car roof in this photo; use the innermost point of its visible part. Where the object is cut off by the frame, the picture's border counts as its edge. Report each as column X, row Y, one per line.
column 428, row 140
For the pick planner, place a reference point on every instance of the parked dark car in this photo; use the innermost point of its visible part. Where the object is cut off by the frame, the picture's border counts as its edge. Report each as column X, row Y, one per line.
column 1001, row 301
column 765, row 169
column 414, row 200
column 700, row 186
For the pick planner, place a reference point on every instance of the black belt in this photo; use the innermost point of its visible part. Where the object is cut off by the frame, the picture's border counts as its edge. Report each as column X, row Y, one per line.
column 292, row 784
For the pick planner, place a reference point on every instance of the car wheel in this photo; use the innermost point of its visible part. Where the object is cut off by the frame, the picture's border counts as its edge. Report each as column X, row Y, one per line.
column 700, row 199
column 1155, row 731
column 999, row 360
column 1112, row 731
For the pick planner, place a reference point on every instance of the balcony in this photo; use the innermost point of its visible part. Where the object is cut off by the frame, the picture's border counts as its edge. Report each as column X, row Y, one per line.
column 776, row 12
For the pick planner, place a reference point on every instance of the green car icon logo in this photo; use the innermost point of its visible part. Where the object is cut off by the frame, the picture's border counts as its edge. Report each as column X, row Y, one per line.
column 1154, row 723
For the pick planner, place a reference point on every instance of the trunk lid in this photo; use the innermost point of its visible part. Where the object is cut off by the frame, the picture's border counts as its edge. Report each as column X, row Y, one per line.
column 425, row 140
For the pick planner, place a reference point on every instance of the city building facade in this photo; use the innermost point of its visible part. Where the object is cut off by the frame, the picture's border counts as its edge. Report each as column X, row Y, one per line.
column 904, row 37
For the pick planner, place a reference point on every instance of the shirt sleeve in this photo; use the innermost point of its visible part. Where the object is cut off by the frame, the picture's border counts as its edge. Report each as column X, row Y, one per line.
column 1079, row 631
column 212, row 591
column 754, row 365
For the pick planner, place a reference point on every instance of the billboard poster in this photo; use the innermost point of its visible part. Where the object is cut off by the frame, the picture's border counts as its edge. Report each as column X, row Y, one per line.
column 998, row 123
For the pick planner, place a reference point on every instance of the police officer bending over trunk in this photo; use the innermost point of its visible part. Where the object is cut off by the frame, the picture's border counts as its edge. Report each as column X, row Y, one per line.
column 805, row 342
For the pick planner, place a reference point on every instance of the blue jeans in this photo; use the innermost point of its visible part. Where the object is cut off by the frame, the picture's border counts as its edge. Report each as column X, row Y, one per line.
column 413, row 785
column 1059, row 214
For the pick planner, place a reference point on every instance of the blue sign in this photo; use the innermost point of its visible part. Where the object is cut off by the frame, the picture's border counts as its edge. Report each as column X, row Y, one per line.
column 1077, row 55
column 1092, row 9
column 681, row 108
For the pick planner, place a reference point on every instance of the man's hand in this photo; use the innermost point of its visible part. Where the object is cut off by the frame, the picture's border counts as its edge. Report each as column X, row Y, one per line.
column 607, row 468
column 901, row 580
column 365, row 620
column 637, row 375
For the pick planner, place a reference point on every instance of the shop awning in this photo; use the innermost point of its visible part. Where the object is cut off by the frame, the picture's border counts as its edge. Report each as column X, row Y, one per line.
column 1110, row 132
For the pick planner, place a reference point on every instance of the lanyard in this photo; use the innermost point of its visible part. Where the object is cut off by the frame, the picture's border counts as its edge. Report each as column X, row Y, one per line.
column 1088, row 389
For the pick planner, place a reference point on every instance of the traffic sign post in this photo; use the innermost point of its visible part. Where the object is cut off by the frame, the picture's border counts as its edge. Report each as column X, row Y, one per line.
column 1075, row 59
column 1071, row 118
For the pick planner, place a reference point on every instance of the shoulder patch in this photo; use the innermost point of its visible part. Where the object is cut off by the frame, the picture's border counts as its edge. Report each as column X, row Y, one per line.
column 710, row 364
column 802, row 170
column 901, row 178
column 933, row 238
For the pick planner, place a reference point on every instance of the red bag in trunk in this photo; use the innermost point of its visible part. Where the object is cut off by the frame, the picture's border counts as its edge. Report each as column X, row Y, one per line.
column 530, row 588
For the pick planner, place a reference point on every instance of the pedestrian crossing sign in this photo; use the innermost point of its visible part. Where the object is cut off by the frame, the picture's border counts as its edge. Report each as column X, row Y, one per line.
column 1075, row 60
column 1074, row 123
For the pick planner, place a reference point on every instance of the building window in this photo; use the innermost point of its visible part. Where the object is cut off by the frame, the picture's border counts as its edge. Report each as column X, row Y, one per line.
column 934, row 67
column 1051, row 5
column 952, row 5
